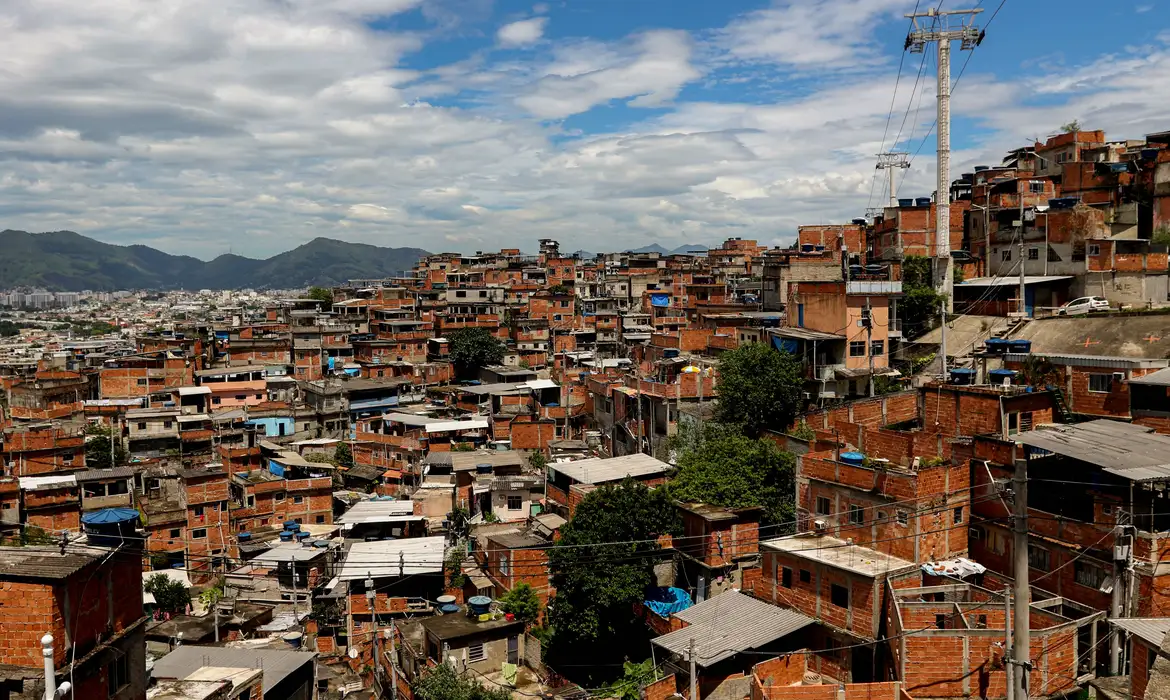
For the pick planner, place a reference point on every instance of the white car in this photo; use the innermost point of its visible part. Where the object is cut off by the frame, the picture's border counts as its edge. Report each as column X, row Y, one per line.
column 1083, row 305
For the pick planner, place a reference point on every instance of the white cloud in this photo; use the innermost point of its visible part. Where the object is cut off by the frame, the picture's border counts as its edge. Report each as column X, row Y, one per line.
column 650, row 69
column 522, row 33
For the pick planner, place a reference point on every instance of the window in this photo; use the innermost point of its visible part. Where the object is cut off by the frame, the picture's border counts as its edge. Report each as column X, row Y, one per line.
column 298, row 499
column 250, row 501
column 215, row 400
column 279, row 497
column 823, row 505
column 1088, row 574
column 1033, row 253
column 67, row 458
column 1036, row 187
column 1006, row 255
column 877, row 348
column 940, row 621
column 475, row 652
column 142, row 426
column 320, row 519
column 118, row 674
column 198, row 511
column 505, row 563
column 199, row 533
column 460, row 294
column 856, row 515
column 881, row 516
column 1101, row 383
column 176, row 533
column 141, row 382
column 839, row 595
column 786, row 577
column 1039, row 558
column 1094, row 249
column 903, row 518
column 958, row 515
column 857, row 348
column 515, row 503
column 805, row 576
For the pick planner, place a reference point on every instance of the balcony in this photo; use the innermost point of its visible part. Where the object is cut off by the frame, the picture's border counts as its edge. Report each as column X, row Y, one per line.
column 862, row 287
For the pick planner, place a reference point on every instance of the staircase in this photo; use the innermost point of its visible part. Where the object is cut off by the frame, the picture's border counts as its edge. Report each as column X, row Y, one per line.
column 1060, row 411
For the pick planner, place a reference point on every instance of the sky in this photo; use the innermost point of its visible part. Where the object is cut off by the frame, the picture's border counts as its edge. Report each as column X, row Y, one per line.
column 204, row 127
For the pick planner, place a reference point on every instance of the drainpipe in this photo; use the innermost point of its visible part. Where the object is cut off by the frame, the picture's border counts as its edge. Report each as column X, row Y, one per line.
column 52, row 691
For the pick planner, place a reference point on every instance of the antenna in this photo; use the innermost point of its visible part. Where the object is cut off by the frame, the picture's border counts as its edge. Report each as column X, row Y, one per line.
column 943, row 28
column 889, row 161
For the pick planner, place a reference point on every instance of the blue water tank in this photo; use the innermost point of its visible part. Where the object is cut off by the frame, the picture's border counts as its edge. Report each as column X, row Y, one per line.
column 981, row 168
column 996, row 346
column 997, row 376
column 287, row 536
column 854, row 458
column 669, row 353
column 859, row 222
column 110, row 527
column 302, row 536
column 962, row 375
column 807, row 247
column 245, row 537
column 449, row 608
column 292, row 525
column 478, row 605
column 906, row 202
column 922, row 202
column 1020, row 346
column 321, row 544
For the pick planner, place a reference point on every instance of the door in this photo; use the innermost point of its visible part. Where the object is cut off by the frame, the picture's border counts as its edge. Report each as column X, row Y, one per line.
column 800, row 315
column 514, row 650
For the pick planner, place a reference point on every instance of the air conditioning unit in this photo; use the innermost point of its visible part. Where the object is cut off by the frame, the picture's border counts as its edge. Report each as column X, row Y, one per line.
column 820, row 525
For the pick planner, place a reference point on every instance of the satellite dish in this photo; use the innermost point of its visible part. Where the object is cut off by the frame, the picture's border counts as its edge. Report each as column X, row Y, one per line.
column 353, row 652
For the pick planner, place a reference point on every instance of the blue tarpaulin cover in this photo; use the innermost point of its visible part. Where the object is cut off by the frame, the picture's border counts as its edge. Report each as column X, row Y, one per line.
column 659, row 300
column 666, row 601
column 108, row 516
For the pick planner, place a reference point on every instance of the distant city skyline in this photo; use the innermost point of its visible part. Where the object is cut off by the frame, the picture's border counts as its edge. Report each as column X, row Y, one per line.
column 469, row 125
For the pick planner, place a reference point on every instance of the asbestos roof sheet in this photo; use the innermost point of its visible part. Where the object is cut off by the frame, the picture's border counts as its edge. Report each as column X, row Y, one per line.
column 728, row 624
column 376, row 512
column 193, row 390
column 411, row 419
column 393, row 558
column 277, row 664
column 603, row 470
column 446, row 425
column 1159, row 378
column 467, row 461
column 1152, row 630
column 100, row 474
column 34, row 483
column 1130, row 451
column 44, row 562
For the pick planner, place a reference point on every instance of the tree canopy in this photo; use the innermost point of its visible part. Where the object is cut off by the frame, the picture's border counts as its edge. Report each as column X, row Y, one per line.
column 443, row 683
column 343, row 455
column 472, row 348
column 603, row 565
column 729, row 469
column 759, row 388
column 97, row 449
column 321, row 294
column 522, row 602
column 169, row 595
column 920, row 305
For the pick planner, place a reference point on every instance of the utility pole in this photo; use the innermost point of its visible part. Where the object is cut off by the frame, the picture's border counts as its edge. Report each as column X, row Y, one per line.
column 1007, row 643
column 943, row 28
column 1021, row 589
column 890, row 161
column 867, row 321
column 1122, row 558
column 691, row 658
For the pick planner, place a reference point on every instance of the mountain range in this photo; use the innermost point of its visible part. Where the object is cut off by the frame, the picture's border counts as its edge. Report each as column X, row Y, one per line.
column 656, row 248
column 68, row 261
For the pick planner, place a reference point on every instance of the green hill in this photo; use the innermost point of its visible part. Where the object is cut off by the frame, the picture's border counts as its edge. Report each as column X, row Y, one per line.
column 68, row 261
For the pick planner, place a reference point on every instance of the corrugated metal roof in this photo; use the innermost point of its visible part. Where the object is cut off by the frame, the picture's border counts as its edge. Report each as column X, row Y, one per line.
column 455, row 425
column 466, row 461
column 376, row 511
column 1130, row 451
column 44, row 562
column 1152, row 630
column 418, row 555
column 277, row 664
column 34, row 483
column 99, row 474
column 1075, row 360
column 728, row 624
column 1159, row 378
column 601, row 470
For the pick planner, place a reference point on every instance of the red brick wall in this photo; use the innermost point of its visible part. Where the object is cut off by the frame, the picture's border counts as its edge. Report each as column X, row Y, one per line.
column 1139, row 668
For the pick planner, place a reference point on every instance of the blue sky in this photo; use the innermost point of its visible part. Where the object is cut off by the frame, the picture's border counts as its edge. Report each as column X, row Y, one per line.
column 257, row 125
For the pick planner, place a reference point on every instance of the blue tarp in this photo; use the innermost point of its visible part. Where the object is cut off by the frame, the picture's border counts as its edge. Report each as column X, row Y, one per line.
column 108, row 516
column 666, row 601
column 275, row 468
column 788, row 345
column 659, row 300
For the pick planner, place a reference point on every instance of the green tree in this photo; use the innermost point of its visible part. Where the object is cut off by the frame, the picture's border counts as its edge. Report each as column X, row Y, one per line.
column 343, row 455
column 604, row 564
column 522, row 602
column 920, row 305
column 560, row 289
column 169, row 595
column 634, row 678
column 1161, row 235
column 732, row 470
column 97, row 449
column 321, row 294
column 472, row 348
column 1068, row 128
column 443, row 682
column 759, row 388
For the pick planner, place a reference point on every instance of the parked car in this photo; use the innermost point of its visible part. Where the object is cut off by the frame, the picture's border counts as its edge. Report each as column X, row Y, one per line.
column 1083, row 305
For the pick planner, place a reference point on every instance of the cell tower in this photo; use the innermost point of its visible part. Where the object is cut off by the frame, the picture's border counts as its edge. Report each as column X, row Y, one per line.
column 890, row 161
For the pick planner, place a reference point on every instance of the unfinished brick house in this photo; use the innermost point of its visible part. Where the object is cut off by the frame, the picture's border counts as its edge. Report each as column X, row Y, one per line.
column 42, row 448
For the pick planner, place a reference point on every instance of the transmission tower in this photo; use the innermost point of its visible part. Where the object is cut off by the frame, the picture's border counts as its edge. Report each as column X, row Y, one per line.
column 943, row 28
column 889, row 161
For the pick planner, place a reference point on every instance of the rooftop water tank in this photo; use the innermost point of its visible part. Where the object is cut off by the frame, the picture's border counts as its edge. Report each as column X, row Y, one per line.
column 110, row 527
column 859, row 222
column 292, row 525
column 1020, row 346
column 922, row 202
column 998, row 376
column 244, row 537
column 906, row 202
column 807, row 247
column 962, row 376
column 981, row 168
column 302, row 536
column 321, row 544
column 286, row 536
column 670, row 352
column 854, row 458
column 996, row 346
column 479, row 605
column 448, row 608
